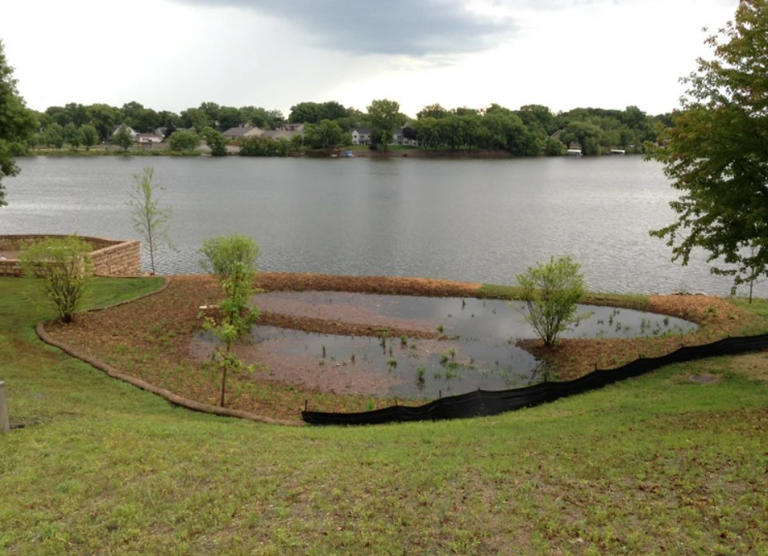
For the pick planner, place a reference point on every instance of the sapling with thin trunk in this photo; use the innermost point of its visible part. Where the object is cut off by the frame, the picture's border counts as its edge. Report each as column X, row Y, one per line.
column 233, row 260
column 150, row 220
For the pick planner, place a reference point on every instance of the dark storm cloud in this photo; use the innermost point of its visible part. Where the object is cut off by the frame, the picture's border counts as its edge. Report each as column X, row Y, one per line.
column 410, row 27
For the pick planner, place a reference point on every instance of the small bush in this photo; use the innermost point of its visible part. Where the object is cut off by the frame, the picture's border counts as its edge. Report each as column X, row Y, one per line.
column 63, row 266
column 551, row 292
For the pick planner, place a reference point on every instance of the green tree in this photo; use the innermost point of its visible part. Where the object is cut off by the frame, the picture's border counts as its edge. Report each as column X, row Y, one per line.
column 104, row 118
column 229, row 116
column 314, row 112
column 150, row 221
column 716, row 152
column 586, row 134
column 72, row 135
column 551, row 292
column 53, row 135
column 553, row 147
column 195, row 117
column 233, row 260
column 89, row 135
column 324, row 135
column 384, row 116
column 122, row 138
column 64, row 268
column 215, row 140
column 432, row 111
column 139, row 118
column 17, row 123
column 264, row 146
column 183, row 140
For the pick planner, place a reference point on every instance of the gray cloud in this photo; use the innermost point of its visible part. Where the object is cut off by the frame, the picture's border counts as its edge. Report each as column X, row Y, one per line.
column 409, row 27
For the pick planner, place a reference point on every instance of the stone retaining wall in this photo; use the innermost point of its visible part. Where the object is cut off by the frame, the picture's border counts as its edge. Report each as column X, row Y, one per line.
column 110, row 257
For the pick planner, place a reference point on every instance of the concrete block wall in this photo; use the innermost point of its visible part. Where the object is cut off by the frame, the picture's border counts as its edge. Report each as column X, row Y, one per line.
column 120, row 259
column 109, row 257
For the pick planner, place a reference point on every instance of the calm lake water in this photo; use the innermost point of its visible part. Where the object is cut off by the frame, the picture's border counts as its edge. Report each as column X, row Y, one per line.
column 476, row 220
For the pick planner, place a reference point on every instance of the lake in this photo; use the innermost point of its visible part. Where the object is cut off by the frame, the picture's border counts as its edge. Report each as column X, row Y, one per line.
column 472, row 220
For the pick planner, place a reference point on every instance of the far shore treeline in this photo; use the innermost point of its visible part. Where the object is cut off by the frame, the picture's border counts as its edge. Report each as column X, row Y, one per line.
column 531, row 130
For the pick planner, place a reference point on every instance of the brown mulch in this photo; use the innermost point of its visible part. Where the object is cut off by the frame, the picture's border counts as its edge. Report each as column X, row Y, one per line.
column 151, row 339
column 275, row 281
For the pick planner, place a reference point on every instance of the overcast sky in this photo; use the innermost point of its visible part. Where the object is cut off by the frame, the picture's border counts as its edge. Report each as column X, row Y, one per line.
column 174, row 54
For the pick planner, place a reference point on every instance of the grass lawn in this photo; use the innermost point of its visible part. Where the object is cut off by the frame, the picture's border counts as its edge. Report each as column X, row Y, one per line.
column 658, row 463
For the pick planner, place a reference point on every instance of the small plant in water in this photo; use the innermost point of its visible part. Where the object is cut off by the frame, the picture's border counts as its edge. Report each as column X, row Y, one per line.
column 440, row 328
column 420, row 370
column 392, row 362
column 403, row 340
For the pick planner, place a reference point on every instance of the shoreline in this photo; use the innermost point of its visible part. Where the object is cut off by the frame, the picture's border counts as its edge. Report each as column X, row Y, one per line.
column 480, row 154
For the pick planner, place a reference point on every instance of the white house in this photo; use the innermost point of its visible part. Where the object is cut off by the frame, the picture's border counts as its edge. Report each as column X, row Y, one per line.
column 361, row 136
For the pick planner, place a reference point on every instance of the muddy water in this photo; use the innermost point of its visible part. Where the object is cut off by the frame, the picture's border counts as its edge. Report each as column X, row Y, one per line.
column 476, row 348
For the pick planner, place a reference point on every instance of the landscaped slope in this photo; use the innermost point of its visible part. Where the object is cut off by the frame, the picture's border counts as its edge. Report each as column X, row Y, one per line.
column 659, row 463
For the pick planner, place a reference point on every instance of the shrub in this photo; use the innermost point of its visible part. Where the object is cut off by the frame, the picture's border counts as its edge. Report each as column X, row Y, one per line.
column 183, row 140
column 64, row 268
column 551, row 292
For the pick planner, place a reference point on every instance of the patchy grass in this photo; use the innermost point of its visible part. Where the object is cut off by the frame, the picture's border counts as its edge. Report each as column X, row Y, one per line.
column 654, row 464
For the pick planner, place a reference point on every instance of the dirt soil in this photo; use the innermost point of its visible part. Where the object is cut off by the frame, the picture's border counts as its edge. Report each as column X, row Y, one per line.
column 154, row 339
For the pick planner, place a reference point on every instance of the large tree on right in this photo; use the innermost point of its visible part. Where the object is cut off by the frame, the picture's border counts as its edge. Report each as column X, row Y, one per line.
column 716, row 152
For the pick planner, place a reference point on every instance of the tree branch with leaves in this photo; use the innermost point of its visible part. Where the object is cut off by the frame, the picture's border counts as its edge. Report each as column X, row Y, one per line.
column 716, row 152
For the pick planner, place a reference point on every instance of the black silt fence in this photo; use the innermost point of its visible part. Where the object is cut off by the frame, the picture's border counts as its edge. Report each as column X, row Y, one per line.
column 483, row 402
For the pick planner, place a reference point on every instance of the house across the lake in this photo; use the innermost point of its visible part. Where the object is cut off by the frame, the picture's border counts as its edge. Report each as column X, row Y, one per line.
column 148, row 138
column 361, row 136
column 243, row 131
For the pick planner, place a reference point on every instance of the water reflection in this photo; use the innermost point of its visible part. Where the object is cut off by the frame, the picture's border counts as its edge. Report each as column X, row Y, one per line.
column 478, row 220
column 476, row 348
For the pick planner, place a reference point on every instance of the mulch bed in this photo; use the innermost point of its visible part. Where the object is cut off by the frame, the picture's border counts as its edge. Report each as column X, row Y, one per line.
column 151, row 339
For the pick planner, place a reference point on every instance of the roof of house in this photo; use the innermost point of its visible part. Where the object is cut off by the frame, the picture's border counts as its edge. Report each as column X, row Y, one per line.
column 242, row 131
column 280, row 134
column 128, row 128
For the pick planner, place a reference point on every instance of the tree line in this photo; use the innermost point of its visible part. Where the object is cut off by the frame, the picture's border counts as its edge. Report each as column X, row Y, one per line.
column 531, row 130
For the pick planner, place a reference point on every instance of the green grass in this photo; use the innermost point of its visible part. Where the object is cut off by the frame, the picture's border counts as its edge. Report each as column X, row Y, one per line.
column 655, row 464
